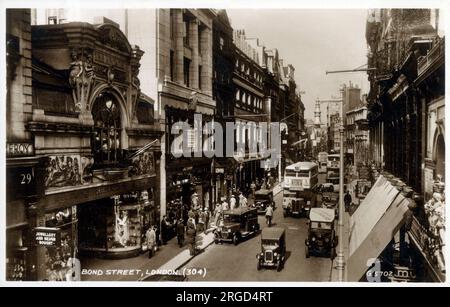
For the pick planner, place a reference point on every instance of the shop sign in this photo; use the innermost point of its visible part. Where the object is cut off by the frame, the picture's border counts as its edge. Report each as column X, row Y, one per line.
column 21, row 149
column 220, row 170
column 47, row 236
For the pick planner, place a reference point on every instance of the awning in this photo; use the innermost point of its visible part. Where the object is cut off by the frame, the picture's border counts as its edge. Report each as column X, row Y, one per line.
column 373, row 225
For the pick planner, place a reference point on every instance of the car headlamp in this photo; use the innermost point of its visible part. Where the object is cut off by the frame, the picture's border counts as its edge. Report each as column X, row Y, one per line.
column 327, row 240
column 275, row 254
column 229, row 230
column 313, row 239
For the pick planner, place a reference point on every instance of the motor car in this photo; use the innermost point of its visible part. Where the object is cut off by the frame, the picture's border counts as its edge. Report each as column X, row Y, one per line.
column 330, row 200
column 273, row 248
column 263, row 198
column 325, row 187
column 236, row 225
column 321, row 239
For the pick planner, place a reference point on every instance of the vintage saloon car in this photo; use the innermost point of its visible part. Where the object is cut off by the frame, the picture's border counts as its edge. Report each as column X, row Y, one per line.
column 273, row 248
column 321, row 238
column 237, row 224
column 263, row 198
column 331, row 201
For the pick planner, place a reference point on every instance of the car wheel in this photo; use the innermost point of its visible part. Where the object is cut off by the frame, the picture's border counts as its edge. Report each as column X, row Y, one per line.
column 258, row 265
column 279, row 266
column 306, row 251
column 332, row 253
column 285, row 213
column 235, row 240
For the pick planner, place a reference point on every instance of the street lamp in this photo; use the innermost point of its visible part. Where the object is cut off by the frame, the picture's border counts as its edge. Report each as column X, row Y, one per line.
column 340, row 259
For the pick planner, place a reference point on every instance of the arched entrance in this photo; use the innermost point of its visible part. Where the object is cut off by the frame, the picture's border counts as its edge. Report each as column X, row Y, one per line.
column 440, row 156
column 107, row 141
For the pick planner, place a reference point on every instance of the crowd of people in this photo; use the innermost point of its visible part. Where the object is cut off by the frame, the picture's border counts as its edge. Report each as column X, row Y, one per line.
column 189, row 222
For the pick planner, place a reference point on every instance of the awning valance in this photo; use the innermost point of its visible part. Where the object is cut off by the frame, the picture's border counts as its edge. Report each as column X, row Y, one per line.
column 373, row 225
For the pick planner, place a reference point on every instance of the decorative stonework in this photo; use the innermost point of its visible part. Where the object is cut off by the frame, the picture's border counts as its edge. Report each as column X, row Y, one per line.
column 71, row 170
column 143, row 164
column 81, row 75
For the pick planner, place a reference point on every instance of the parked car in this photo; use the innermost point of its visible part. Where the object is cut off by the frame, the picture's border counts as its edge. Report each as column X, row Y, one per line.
column 237, row 224
column 273, row 248
column 321, row 238
column 263, row 198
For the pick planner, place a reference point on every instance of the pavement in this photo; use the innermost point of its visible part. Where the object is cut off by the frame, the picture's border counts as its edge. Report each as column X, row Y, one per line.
column 346, row 233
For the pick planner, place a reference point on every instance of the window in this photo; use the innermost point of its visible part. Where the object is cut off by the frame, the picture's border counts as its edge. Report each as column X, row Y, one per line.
column 237, row 95
column 221, row 43
column 172, row 23
column 172, row 65
column 52, row 20
column 186, row 68
column 200, row 77
column 186, row 39
column 145, row 112
column 107, row 130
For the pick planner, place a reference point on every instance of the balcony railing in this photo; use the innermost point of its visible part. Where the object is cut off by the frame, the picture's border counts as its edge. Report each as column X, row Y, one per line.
column 436, row 53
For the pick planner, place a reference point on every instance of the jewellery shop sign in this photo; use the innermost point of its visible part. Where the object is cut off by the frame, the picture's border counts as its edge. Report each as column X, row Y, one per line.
column 47, row 236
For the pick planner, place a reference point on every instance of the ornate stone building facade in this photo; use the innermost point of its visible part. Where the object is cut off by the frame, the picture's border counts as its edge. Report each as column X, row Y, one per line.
column 95, row 137
column 405, row 113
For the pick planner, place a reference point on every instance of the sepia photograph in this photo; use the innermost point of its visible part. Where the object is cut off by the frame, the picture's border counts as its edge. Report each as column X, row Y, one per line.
column 150, row 143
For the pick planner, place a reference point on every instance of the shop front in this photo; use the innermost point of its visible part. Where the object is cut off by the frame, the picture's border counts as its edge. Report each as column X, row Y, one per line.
column 114, row 227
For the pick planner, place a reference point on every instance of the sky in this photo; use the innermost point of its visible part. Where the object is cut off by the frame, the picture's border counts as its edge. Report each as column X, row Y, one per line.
column 313, row 41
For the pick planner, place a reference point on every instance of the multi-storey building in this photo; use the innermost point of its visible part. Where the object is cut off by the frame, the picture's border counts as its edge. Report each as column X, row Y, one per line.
column 406, row 119
column 93, row 141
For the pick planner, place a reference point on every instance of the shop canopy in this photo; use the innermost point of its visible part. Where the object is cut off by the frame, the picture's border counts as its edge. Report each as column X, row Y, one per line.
column 373, row 225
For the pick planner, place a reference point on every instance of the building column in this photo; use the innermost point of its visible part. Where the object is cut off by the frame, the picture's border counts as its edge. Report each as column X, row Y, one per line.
column 206, row 52
column 179, row 46
column 193, row 35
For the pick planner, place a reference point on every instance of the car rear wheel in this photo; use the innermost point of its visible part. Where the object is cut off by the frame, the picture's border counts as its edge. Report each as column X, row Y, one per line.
column 235, row 240
column 306, row 251
column 332, row 253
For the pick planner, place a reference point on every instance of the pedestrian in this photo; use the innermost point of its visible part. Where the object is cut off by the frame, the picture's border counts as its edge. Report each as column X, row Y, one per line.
column 201, row 222
column 217, row 213
column 207, row 218
column 232, row 202
column 180, row 232
column 150, row 236
column 269, row 215
column 191, row 233
column 253, row 188
column 244, row 202
column 241, row 199
column 347, row 201
column 225, row 206
column 164, row 230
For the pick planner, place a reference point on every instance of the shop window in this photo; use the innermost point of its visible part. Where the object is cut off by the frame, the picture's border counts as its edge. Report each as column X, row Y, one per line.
column 58, row 258
column 107, row 130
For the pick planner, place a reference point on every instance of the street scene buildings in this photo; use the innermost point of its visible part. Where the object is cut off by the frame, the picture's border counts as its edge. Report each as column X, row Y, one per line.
column 101, row 185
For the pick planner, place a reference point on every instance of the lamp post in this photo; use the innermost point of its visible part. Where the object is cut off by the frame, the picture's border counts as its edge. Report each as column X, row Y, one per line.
column 340, row 259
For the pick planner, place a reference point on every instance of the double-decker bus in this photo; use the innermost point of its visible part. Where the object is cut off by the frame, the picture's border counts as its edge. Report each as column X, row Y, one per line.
column 323, row 161
column 333, row 162
column 300, row 183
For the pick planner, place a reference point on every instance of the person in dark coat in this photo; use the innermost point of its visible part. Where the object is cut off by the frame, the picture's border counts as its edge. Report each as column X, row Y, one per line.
column 164, row 230
column 347, row 201
column 180, row 232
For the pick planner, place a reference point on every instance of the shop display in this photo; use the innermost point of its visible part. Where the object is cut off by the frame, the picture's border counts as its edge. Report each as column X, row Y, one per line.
column 58, row 259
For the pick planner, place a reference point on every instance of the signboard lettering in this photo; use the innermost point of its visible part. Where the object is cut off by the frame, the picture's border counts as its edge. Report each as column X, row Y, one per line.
column 19, row 149
column 46, row 236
